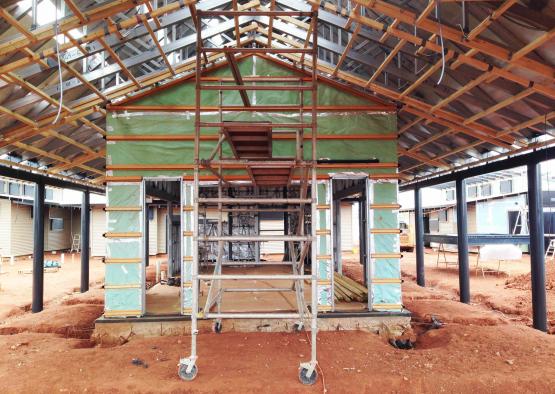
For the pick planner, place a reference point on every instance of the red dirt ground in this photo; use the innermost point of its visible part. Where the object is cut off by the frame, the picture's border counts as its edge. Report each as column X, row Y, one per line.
column 477, row 349
column 16, row 287
column 508, row 293
column 523, row 281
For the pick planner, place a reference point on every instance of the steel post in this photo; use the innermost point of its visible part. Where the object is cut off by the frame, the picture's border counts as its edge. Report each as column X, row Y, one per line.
column 85, row 240
column 419, row 237
column 537, row 258
column 462, row 241
column 38, row 248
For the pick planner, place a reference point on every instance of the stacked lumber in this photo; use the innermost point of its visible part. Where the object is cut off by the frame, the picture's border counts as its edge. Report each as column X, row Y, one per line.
column 348, row 290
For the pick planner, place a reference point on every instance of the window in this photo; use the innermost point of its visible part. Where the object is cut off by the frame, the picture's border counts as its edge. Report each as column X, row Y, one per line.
column 506, row 186
column 486, row 190
column 56, row 224
column 28, row 190
column 473, row 191
column 14, row 189
column 2, row 187
column 442, row 215
column 450, row 195
column 49, row 194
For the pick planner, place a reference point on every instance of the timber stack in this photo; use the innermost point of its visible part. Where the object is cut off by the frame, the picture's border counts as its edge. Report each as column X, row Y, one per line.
column 346, row 289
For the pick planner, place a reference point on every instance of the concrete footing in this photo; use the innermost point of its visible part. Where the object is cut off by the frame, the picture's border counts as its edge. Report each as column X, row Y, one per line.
column 118, row 330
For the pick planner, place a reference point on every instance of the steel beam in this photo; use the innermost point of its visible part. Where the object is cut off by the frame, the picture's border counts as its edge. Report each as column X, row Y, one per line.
column 38, row 248
column 419, row 238
column 46, row 180
column 480, row 239
column 493, row 166
column 462, row 241
column 85, row 240
column 537, row 258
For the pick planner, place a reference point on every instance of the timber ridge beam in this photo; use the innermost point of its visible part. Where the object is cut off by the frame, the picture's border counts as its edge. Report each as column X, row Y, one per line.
column 536, row 156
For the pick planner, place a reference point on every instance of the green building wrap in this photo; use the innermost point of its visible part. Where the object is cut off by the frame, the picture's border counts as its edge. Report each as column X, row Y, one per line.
column 124, row 276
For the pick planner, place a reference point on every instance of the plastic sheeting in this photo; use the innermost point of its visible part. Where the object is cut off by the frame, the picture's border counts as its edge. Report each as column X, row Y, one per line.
column 154, row 153
column 182, row 123
column 324, row 246
column 187, row 247
column 124, row 279
column 184, row 94
column 123, row 221
column 181, row 152
column 385, row 296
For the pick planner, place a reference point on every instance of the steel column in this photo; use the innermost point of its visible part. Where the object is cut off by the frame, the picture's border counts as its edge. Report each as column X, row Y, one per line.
column 537, row 259
column 85, row 238
column 336, row 215
column 169, row 238
column 419, row 237
column 462, row 241
column 230, row 232
column 38, row 248
column 363, row 229
column 146, row 227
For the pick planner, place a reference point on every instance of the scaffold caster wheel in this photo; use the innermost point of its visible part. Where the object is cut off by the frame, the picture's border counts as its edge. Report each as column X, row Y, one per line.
column 218, row 327
column 310, row 380
column 297, row 327
column 182, row 371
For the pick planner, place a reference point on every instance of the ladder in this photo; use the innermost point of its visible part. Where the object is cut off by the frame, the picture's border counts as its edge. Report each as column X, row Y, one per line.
column 75, row 243
column 265, row 173
column 521, row 223
column 550, row 251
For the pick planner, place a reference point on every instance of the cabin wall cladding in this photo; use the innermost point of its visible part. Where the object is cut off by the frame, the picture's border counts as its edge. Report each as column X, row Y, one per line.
column 350, row 134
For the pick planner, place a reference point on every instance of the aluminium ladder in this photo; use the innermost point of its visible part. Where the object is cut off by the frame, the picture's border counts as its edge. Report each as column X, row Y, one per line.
column 258, row 168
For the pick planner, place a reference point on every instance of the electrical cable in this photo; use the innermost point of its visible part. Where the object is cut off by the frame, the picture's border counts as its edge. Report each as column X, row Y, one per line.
column 442, row 45
column 56, row 31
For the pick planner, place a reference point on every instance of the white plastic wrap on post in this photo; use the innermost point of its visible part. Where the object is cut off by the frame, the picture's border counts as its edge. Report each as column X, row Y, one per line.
column 187, row 224
column 324, row 262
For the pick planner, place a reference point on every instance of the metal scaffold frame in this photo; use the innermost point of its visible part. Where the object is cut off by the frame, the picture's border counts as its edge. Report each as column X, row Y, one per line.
column 300, row 243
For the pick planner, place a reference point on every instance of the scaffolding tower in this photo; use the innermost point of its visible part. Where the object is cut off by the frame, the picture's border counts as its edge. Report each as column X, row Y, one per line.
column 265, row 172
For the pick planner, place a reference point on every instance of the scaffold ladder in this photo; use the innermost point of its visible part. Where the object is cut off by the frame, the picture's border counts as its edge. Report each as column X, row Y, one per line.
column 258, row 167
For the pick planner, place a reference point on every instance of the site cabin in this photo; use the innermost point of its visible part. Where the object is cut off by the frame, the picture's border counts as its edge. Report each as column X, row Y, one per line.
column 150, row 161
column 61, row 220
